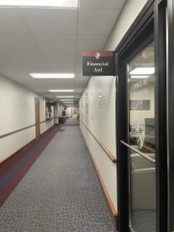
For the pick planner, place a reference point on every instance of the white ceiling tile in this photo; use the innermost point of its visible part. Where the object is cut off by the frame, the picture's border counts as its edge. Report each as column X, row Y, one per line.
column 68, row 84
column 79, row 65
column 91, row 42
column 58, row 55
column 45, row 84
column 4, row 58
column 97, row 22
column 10, row 22
column 102, row 4
column 50, row 20
column 16, row 41
column 47, row 41
column 40, row 86
column 13, row 72
column 21, row 57
column 62, row 66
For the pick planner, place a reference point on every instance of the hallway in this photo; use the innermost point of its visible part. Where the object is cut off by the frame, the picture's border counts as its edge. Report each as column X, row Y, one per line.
column 60, row 192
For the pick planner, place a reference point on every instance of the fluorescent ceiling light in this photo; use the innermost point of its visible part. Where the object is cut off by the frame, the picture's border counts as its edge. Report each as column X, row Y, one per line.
column 67, row 100
column 61, row 90
column 143, row 71
column 139, row 77
column 52, row 75
column 40, row 3
column 70, row 96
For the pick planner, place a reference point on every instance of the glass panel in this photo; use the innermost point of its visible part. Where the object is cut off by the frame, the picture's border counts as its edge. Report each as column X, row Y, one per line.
column 141, row 88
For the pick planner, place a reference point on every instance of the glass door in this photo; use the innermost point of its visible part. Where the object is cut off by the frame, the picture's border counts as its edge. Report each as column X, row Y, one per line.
column 141, row 141
column 141, row 123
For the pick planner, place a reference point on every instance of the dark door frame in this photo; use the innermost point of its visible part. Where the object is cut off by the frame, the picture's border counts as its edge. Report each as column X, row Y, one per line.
column 149, row 25
column 170, row 14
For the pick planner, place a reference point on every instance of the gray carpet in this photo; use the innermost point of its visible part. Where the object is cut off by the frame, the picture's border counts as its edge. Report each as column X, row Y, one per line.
column 71, row 122
column 60, row 193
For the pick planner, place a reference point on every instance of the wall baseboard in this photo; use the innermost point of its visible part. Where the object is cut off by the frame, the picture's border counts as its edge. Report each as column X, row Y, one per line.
column 111, row 207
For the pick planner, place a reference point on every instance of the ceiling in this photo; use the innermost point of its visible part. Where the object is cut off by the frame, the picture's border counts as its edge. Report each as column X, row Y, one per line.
column 51, row 40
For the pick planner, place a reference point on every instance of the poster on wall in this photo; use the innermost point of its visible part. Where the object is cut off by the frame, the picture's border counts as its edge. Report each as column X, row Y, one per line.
column 139, row 105
column 49, row 110
column 98, row 63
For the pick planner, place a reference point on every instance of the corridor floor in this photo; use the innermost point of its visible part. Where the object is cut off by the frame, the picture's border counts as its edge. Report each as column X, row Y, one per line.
column 60, row 192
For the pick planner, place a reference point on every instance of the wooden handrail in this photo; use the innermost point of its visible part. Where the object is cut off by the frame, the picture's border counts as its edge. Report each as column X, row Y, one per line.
column 109, row 154
column 16, row 131
column 25, row 128
column 48, row 119
column 139, row 152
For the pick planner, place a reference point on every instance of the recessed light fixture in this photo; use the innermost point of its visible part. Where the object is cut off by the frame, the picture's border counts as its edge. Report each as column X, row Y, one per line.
column 52, row 75
column 40, row 3
column 143, row 71
column 61, row 90
column 70, row 103
column 67, row 100
column 70, row 96
column 139, row 77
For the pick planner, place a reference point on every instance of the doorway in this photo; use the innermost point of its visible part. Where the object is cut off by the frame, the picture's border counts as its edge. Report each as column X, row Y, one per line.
column 141, row 123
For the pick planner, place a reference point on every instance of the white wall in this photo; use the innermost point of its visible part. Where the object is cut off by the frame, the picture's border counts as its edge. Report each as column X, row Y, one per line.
column 69, row 112
column 61, row 108
column 131, row 10
column 56, row 113
column 46, row 125
column 10, row 144
column 17, row 112
column 56, row 110
column 99, row 110
column 97, row 106
column 17, row 107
